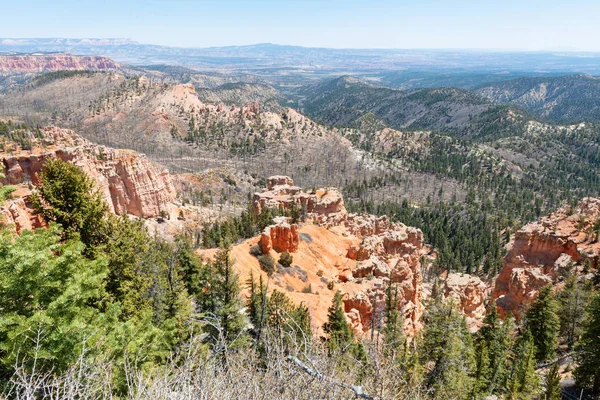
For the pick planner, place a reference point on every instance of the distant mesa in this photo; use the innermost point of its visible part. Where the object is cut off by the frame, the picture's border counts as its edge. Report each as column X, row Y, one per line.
column 32, row 63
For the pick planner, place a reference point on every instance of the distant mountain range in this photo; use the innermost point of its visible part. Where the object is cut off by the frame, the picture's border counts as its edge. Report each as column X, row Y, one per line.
column 267, row 56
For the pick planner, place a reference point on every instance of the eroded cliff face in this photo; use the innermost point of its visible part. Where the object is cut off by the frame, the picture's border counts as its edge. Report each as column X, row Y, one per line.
column 358, row 255
column 470, row 294
column 128, row 181
column 31, row 63
column 543, row 250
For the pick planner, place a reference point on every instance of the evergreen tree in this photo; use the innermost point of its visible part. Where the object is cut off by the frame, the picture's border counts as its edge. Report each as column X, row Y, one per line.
column 573, row 300
column 482, row 370
column 301, row 325
column 587, row 373
column 522, row 380
column 189, row 265
column 544, row 324
column 393, row 332
column 47, row 298
column 228, row 323
column 67, row 196
column 496, row 336
column 340, row 334
column 447, row 343
column 552, row 389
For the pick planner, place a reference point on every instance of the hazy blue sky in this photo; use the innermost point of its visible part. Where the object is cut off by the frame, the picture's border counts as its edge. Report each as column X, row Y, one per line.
column 491, row 24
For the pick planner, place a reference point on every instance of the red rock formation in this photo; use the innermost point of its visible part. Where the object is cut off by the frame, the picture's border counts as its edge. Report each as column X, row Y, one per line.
column 325, row 205
column 128, row 181
column 470, row 293
column 20, row 214
column 392, row 254
column 280, row 237
column 542, row 250
column 19, row 64
column 361, row 255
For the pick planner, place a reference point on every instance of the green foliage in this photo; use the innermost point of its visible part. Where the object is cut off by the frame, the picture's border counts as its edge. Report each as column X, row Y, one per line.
column 267, row 263
column 256, row 251
column 47, row 295
column 552, row 389
column 587, row 373
column 493, row 345
column 128, row 295
column 573, row 300
column 467, row 241
column 447, row 344
column 256, row 303
column 522, row 380
column 56, row 75
column 544, row 324
column 286, row 259
column 247, row 225
column 393, row 333
column 5, row 191
column 19, row 133
column 67, row 196
column 336, row 327
column 221, row 302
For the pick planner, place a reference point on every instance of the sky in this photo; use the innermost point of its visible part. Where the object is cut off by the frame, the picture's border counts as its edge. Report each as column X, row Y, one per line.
column 459, row 24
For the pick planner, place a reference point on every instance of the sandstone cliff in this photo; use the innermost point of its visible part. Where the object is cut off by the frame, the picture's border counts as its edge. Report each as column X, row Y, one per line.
column 23, row 64
column 470, row 294
column 543, row 250
column 128, row 181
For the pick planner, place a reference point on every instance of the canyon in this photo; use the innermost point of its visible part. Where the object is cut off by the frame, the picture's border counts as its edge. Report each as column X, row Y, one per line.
column 359, row 255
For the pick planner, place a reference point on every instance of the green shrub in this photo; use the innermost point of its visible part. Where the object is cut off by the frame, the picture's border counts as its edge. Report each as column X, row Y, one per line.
column 256, row 251
column 267, row 263
column 286, row 259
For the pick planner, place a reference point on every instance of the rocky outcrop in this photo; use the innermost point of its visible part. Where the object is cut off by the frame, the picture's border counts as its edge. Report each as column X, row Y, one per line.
column 21, row 64
column 470, row 294
column 20, row 214
column 127, row 180
column 324, row 205
column 280, row 237
column 541, row 252
column 358, row 255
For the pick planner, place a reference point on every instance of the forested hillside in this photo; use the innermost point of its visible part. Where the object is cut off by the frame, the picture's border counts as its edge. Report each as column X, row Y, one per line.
column 562, row 99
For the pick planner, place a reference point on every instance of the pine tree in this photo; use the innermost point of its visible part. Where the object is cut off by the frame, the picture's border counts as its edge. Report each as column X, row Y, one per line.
column 587, row 373
column 496, row 335
column 67, row 196
column 48, row 287
column 226, row 303
column 340, row 334
column 544, row 324
column 573, row 300
column 189, row 266
column 552, row 389
column 393, row 332
column 301, row 325
column 482, row 369
column 523, row 382
column 448, row 344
